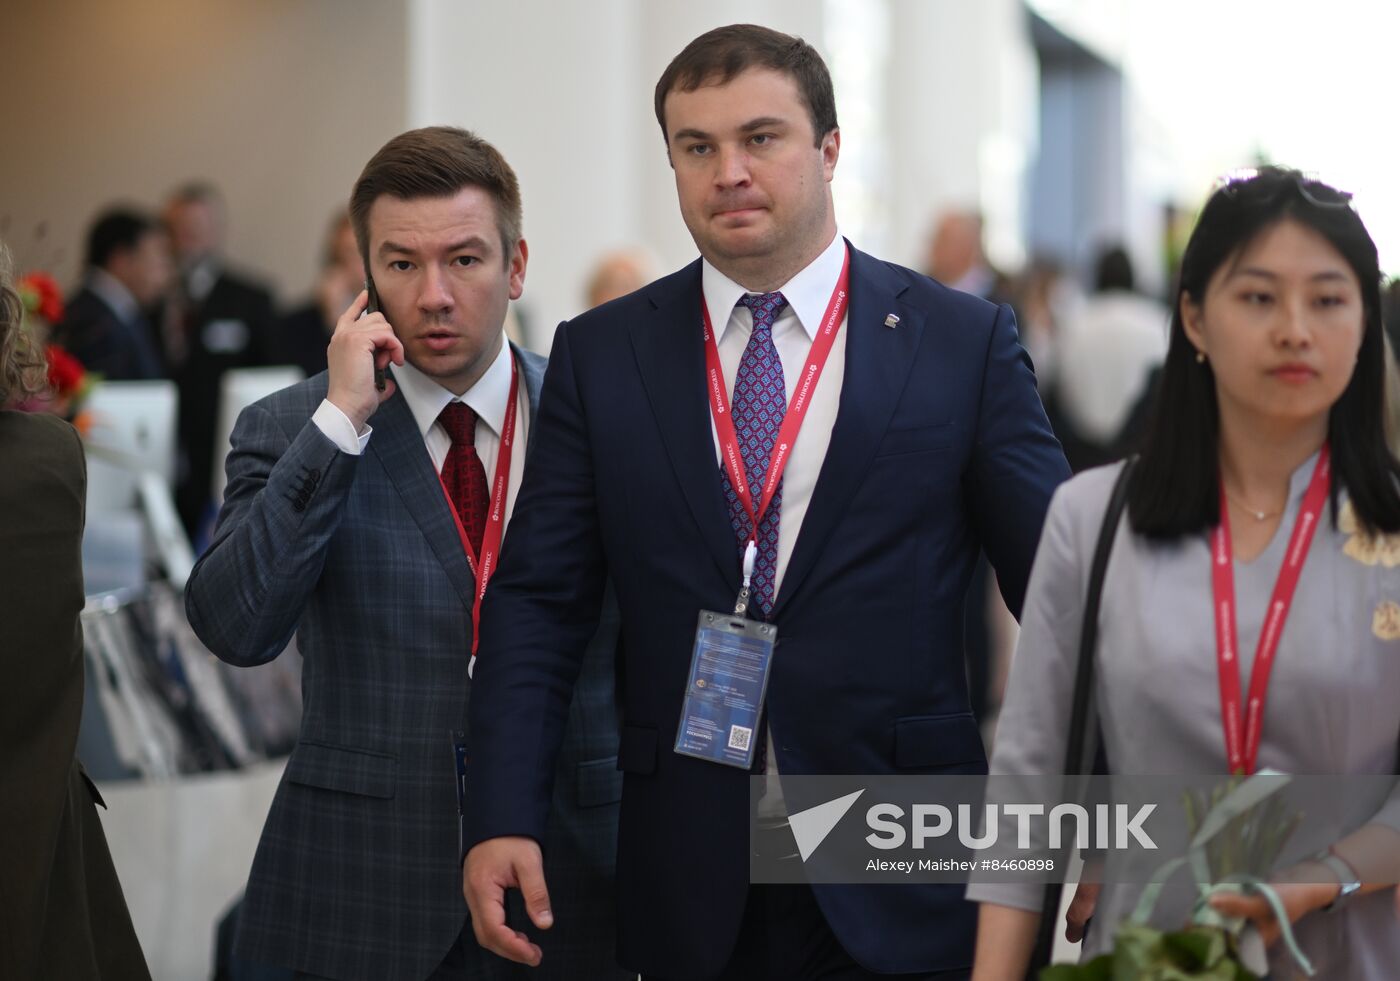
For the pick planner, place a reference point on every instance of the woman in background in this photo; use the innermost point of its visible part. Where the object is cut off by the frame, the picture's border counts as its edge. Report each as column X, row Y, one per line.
column 62, row 913
column 1271, row 408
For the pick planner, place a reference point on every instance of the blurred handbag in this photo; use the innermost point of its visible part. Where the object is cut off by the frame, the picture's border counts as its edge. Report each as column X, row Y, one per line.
column 1080, row 752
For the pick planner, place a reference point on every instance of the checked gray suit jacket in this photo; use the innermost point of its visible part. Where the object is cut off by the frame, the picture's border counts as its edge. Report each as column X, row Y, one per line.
column 358, row 872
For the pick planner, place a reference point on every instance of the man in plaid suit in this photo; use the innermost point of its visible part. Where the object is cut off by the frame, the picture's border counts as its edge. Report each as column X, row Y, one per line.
column 366, row 542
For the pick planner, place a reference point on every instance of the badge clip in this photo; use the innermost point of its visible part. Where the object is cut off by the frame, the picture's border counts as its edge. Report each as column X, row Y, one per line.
column 741, row 605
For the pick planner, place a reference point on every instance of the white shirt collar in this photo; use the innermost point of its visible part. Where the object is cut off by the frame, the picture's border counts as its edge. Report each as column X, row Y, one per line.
column 807, row 293
column 487, row 398
column 113, row 292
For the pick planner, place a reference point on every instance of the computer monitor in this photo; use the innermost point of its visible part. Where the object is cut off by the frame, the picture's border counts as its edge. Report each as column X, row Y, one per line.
column 240, row 388
column 132, row 432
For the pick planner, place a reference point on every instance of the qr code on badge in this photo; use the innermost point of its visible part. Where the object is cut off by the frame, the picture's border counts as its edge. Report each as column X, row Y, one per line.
column 739, row 737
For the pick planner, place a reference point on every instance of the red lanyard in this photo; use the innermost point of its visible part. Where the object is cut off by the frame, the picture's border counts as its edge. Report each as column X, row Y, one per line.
column 495, row 517
column 1242, row 750
column 797, row 407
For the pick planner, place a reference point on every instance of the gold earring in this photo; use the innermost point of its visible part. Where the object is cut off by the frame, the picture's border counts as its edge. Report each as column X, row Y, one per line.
column 1200, row 357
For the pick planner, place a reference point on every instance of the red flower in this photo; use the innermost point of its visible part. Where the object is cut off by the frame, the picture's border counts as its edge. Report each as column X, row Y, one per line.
column 42, row 295
column 66, row 373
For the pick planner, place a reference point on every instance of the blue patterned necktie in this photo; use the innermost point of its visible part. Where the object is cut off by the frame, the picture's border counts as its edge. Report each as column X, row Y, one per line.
column 758, row 407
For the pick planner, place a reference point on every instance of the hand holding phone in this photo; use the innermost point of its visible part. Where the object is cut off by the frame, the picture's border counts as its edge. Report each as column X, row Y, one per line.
column 361, row 347
column 373, row 307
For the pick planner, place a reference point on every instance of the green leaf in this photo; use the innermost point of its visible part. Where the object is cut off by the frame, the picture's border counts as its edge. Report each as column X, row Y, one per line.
column 1198, row 947
column 1195, row 954
column 1098, row 969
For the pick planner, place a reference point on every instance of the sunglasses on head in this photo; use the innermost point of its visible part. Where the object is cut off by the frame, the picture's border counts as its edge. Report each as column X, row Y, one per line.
column 1246, row 181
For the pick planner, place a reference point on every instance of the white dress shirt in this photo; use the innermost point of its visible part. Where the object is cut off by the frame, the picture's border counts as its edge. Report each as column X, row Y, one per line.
column 807, row 294
column 796, row 325
column 426, row 399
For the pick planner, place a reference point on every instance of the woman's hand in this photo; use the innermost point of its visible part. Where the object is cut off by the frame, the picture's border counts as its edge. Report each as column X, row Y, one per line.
column 1081, row 909
column 1298, row 898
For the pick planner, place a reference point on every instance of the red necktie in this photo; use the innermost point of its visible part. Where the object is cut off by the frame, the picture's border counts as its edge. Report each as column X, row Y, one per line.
column 463, row 472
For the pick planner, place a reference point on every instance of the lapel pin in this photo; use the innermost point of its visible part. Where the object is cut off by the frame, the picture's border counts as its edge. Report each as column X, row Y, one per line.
column 891, row 320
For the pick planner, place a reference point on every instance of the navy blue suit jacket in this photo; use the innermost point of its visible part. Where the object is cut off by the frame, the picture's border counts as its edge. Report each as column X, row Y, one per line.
column 940, row 448
column 117, row 349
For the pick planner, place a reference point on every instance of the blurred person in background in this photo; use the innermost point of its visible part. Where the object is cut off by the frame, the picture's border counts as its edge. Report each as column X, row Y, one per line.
column 301, row 337
column 1107, row 351
column 618, row 273
column 1043, row 299
column 62, row 913
column 214, row 320
column 105, row 323
column 956, row 257
column 1271, row 406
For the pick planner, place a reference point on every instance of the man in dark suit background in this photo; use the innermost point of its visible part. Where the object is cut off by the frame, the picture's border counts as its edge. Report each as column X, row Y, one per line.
column 215, row 319
column 104, row 324
column 367, row 540
column 923, row 441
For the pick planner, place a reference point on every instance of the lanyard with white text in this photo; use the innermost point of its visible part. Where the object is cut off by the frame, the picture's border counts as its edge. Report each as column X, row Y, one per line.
column 1242, row 749
column 792, row 421
column 495, row 517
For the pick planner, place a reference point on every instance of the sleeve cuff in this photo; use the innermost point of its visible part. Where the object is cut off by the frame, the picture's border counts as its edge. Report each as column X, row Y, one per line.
column 337, row 427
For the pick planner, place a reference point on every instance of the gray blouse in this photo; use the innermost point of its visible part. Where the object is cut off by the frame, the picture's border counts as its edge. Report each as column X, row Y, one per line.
column 1333, row 701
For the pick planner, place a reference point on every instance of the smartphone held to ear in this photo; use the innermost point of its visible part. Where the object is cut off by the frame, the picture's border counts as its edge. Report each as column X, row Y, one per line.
column 373, row 307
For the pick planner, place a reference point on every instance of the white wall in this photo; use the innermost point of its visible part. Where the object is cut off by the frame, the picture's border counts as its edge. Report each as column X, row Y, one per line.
column 554, row 88
column 565, row 91
column 962, row 90
column 280, row 104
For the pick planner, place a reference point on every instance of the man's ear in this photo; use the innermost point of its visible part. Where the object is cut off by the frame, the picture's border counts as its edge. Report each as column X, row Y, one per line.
column 519, row 257
column 831, row 149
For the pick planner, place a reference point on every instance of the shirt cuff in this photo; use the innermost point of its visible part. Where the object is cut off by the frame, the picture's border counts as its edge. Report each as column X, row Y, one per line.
column 337, row 427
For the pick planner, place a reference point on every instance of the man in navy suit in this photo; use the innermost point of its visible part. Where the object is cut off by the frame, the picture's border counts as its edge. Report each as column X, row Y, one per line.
column 105, row 324
column 922, row 441
column 366, row 519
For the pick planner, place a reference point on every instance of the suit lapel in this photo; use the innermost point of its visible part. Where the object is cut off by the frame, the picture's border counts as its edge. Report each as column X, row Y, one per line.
column 878, row 362
column 532, row 368
column 671, row 356
column 399, row 446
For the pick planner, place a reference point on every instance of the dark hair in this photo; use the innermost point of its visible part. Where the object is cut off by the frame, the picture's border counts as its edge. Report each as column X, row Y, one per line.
column 117, row 230
column 437, row 162
column 1174, row 490
column 717, row 56
column 1390, row 310
column 1114, row 270
column 23, row 370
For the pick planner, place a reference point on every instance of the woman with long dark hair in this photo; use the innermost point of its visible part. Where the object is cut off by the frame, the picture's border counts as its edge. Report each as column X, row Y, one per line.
column 1265, row 467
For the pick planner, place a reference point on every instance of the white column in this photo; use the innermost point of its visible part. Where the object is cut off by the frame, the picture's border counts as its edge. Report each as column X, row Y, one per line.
column 554, row 87
column 962, row 107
